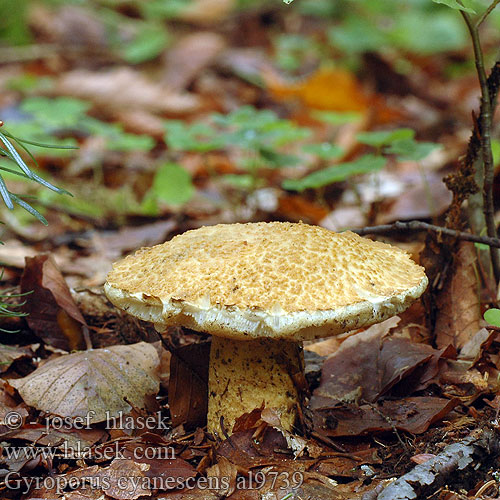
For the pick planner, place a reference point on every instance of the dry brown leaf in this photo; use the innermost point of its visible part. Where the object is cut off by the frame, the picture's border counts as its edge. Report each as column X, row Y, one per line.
column 188, row 386
column 458, row 307
column 413, row 415
column 422, row 200
column 52, row 312
column 224, row 473
column 9, row 354
column 97, row 380
column 13, row 253
column 124, row 88
column 127, row 479
column 191, row 55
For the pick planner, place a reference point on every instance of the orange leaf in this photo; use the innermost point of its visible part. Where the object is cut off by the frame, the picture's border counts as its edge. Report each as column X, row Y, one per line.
column 332, row 89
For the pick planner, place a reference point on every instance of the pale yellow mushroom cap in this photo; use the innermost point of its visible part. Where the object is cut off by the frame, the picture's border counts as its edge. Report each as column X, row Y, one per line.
column 278, row 280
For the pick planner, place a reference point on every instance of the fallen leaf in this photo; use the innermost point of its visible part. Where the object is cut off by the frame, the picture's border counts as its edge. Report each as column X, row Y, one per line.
column 367, row 365
column 332, row 89
column 124, row 478
column 458, row 306
column 97, row 380
column 52, row 312
column 473, row 348
column 223, row 474
column 413, row 415
column 9, row 354
column 190, row 56
column 172, row 472
column 124, row 88
column 188, row 386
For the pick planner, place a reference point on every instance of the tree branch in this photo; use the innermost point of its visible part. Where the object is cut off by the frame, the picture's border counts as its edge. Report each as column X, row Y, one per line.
column 423, row 226
column 485, row 139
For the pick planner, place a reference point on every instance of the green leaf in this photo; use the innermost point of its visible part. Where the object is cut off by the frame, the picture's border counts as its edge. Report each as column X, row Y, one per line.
column 336, row 117
column 56, row 113
column 277, row 160
column 411, row 150
column 454, row 4
column 384, row 137
column 336, row 173
column 243, row 181
column 492, row 316
column 172, row 184
column 325, row 150
column 198, row 137
column 149, row 42
column 428, row 32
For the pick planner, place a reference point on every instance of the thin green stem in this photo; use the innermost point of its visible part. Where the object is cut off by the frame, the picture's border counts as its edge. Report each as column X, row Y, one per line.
column 485, row 118
column 488, row 11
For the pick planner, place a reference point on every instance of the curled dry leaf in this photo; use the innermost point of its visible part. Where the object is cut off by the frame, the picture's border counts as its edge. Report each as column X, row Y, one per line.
column 97, row 380
column 9, row 354
column 52, row 312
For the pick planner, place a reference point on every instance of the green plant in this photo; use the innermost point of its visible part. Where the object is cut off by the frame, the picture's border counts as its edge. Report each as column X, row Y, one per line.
column 400, row 143
column 171, row 185
column 254, row 138
column 45, row 120
column 11, row 157
column 492, row 316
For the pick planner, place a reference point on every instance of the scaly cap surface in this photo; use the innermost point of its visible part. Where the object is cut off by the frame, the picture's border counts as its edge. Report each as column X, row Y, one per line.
column 279, row 280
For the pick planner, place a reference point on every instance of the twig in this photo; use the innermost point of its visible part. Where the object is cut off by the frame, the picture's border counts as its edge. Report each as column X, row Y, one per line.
column 488, row 11
column 424, row 226
column 485, row 139
column 436, row 471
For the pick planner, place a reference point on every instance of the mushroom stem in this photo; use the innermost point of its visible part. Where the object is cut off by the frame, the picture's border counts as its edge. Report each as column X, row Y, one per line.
column 244, row 375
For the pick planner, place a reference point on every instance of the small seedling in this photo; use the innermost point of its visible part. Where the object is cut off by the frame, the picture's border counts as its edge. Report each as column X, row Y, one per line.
column 492, row 316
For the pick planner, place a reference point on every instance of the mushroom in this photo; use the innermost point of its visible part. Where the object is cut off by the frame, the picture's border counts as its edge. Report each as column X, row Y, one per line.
column 260, row 289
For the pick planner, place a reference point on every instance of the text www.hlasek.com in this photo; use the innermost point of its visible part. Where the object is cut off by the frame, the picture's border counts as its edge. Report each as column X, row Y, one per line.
column 79, row 452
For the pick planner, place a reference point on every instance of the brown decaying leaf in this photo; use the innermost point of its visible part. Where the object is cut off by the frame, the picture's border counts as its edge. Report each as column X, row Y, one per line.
column 188, row 386
column 72, row 439
column 124, row 87
column 52, row 312
column 189, row 56
column 367, row 365
column 474, row 348
column 413, row 415
column 9, row 354
column 224, row 474
column 458, row 307
column 97, row 380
